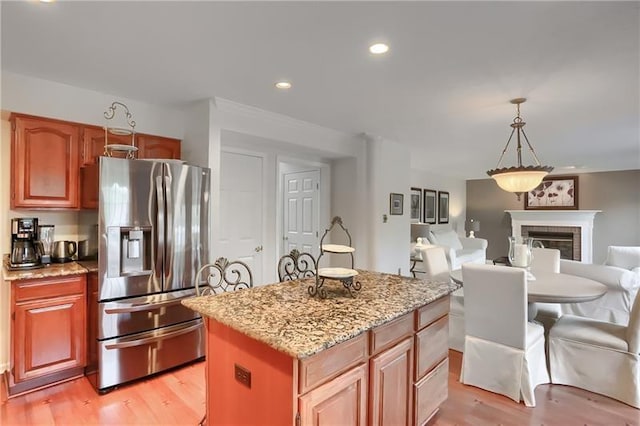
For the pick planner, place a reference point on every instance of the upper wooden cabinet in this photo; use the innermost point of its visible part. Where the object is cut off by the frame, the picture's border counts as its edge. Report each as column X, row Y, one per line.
column 157, row 147
column 44, row 162
column 93, row 141
column 47, row 154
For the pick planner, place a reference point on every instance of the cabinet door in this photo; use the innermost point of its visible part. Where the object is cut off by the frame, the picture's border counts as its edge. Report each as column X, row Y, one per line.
column 44, row 161
column 158, row 147
column 342, row 401
column 93, row 142
column 390, row 388
column 49, row 336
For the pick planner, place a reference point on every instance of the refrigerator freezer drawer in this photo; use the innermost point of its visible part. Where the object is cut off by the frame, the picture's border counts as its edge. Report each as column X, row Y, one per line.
column 139, row 355
column 138, row 314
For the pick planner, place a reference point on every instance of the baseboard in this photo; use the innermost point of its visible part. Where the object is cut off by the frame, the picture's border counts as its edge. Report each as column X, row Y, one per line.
column 4, row 367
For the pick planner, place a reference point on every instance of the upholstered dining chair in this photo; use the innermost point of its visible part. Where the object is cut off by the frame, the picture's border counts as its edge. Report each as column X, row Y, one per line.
column 546, row 260
column 223, row 276
column 503, row 352
column 296, row 265
column 436, row 267
column 598, row 356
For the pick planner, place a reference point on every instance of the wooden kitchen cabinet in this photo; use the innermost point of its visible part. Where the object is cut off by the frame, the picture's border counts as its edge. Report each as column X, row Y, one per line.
column 390, row 387
column 44, row 163
column 48, row 331
column 157, row 147
column 342, row 401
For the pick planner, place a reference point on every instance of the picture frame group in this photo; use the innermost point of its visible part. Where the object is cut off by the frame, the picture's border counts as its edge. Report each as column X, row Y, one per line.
column 429, row 206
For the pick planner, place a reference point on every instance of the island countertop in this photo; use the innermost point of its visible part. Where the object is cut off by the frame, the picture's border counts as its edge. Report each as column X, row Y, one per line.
column 285, row 317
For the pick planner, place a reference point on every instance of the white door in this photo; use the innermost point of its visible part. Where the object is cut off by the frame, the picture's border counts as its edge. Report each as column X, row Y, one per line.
column 301, row 212
column 241, row 211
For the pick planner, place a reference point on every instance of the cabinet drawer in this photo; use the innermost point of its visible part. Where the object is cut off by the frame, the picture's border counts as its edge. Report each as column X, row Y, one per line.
column 388, row 334
column 328, row 364
column 431, row 312
column 430, row 392
column 49, row 287
column 432, row 346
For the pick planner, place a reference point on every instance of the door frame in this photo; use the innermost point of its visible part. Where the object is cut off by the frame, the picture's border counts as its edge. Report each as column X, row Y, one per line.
column 265, row 189
column 291, row 165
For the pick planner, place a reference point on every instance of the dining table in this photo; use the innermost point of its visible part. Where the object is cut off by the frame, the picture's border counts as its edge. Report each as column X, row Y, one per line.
column 552, row 287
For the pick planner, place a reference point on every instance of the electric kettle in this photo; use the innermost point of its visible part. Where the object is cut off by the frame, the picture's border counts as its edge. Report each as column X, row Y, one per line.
column 63, row 251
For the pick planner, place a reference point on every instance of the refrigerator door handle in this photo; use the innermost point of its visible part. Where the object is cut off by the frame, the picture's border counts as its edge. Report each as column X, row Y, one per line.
column 143, row 307
column 155, row 338
column 168, row 259
column 160, row 228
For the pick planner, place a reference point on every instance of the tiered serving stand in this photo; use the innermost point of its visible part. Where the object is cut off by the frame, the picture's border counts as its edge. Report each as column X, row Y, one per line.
column 345, row 275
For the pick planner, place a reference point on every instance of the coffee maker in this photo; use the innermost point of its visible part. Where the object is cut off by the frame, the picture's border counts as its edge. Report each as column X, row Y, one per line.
column 24, row 236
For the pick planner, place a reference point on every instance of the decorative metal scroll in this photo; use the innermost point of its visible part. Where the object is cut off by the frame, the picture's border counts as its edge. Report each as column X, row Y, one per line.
column 109, row 114
column 296, row 265
column 223, row 276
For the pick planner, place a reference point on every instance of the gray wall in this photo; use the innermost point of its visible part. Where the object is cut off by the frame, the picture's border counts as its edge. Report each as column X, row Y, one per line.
column 617, row 194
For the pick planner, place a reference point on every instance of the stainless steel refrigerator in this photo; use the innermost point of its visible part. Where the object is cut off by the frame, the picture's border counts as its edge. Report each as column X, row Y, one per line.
column 153, row 238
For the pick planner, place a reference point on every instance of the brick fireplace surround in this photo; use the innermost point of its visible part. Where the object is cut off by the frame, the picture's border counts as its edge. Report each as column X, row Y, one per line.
column 577, row 222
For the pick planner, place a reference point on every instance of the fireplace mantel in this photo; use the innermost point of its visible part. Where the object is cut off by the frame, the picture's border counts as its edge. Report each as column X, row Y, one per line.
column 580, row 218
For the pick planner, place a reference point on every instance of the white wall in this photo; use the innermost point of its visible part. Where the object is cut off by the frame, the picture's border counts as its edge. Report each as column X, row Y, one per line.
column 388, row 171
column 44, row 98
column 457, row 189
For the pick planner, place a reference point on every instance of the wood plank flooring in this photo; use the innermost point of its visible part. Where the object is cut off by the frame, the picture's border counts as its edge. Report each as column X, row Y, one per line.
column 178, row 398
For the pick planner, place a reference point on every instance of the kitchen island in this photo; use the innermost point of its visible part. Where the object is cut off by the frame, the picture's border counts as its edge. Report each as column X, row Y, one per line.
column 276, row 355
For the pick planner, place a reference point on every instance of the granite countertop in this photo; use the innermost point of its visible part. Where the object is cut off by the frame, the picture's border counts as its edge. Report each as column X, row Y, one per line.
column 286, row 318
column 52, row 270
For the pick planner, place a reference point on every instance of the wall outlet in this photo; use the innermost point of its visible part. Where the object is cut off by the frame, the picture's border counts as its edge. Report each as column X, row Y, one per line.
column 242, row 375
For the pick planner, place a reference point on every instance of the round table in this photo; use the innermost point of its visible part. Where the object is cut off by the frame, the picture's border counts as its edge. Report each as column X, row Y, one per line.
column 550, row 287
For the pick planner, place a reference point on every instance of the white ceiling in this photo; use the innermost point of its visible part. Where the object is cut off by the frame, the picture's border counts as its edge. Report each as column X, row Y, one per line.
column 443, row 89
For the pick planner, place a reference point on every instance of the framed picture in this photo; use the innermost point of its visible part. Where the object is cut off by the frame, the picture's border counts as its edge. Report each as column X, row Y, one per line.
column 395, row 203
column 416, row 204
column 554, row 193
column 429, row 206
column 443, row 207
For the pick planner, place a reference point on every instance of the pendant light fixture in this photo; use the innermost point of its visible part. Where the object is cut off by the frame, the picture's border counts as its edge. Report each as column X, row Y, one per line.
column 519, row 179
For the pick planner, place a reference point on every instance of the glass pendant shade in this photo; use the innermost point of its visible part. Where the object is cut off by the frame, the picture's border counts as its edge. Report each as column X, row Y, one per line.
column 519, row 179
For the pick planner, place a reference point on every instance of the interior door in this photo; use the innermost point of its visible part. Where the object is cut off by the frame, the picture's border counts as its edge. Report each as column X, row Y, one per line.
column 241, row 211
column 301, row 212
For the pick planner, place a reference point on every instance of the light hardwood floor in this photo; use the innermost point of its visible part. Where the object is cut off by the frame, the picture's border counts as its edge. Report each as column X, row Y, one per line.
column 177, row 398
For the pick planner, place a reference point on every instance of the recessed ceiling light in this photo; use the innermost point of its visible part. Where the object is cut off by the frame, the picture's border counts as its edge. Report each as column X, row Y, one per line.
column 47, row 1
column 283, row 85
column 378, row 48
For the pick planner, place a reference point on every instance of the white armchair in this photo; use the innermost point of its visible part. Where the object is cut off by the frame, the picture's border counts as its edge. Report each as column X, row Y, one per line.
column 621, row 275
column 458, row 249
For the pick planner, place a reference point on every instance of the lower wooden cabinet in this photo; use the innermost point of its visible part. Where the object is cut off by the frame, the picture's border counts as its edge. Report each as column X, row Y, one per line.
column 391, row 385
column 342, row 401
column 48, row 331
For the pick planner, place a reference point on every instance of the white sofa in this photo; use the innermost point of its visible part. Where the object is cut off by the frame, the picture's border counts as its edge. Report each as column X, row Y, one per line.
column 621, row 275
column 458, row 249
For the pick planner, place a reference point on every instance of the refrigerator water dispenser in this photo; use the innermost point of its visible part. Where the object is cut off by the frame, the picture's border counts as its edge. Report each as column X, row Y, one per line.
column 129, row 251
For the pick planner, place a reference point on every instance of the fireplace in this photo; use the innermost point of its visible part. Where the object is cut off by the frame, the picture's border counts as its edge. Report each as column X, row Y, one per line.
column 564, row 238
column 570, row 231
